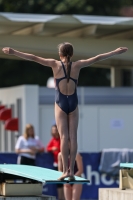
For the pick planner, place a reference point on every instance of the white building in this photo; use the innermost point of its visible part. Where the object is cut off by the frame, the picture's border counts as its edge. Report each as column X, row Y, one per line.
column 105, row 116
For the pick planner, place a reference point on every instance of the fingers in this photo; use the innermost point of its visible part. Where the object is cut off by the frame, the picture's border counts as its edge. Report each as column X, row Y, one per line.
column 124, row 48
column 121, row 50
column 6, row 50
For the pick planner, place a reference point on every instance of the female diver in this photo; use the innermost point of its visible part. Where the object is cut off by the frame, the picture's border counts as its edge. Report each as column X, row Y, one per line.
column 66, row 75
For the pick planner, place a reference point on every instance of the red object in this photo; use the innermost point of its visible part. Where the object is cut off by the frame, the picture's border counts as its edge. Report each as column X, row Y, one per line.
column 11, row 124
column 1, row 107
column 54, row 142
column 5, row 114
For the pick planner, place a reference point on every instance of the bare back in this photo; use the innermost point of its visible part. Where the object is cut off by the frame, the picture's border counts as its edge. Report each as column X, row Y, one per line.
column 66, row 88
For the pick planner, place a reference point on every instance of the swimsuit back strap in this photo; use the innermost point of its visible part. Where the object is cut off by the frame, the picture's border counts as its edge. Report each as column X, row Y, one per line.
column 64, row 69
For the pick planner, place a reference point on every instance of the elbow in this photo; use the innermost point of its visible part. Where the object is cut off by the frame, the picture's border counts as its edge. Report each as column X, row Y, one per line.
column 98, row 58
column 33, row 58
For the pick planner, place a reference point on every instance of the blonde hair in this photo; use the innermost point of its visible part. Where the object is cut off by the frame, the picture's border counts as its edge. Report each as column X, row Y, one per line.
column 26, row 133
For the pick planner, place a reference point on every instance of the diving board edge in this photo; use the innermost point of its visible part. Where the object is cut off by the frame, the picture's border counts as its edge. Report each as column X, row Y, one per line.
column 67, row 181
column 126, row 165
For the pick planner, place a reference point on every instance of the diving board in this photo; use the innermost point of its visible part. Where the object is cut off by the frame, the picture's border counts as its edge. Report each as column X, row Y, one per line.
column 126, row 165
column 38, row 174
column 126, row 176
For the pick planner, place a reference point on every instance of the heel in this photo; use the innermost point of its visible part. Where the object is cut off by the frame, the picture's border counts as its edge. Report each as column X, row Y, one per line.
column 71, row 178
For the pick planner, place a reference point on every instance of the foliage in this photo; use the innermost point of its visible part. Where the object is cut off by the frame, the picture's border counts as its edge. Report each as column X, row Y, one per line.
column 16, row 72
column 85, row 7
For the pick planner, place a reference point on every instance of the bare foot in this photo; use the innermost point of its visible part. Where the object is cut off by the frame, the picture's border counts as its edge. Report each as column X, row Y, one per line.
column 71, row 178
column 64, row 175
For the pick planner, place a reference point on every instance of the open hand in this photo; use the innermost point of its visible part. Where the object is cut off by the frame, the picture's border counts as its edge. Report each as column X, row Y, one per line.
column 8, row 50
column 121, row 50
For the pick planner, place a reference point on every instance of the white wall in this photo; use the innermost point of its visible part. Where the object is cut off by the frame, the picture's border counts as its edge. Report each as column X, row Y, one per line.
column 29, row 96
column 46, row 120
column 100, row 126
column 116, row 126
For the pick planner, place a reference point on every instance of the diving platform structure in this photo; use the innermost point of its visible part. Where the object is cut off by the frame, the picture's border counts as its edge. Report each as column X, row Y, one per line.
column 125, row 190
column 22, row 180
column 126, row 176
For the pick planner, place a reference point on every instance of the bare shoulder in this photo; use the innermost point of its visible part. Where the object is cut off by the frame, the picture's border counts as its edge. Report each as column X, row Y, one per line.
column 75, row 63
column 86, row 62
column 54, row 63
column 57, row 64
column 78, row 64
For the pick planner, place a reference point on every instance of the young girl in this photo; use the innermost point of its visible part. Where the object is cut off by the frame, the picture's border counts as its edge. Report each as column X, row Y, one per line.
column 66, row 75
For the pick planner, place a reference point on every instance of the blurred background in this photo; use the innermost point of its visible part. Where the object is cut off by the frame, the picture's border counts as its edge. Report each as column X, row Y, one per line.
column 104, row 89
column 39, row 30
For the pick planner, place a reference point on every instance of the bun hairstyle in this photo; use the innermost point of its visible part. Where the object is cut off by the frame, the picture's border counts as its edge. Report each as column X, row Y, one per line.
column 66, row 50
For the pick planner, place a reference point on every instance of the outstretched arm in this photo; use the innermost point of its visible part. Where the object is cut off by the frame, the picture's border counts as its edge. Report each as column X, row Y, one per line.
column 90, row 61
column 31, row 57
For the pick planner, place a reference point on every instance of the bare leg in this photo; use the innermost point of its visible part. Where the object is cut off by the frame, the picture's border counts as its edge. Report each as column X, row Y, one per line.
column 76, row 191
column 62, row 125
column 68, row 192
column 60, row 193
column 73, row 125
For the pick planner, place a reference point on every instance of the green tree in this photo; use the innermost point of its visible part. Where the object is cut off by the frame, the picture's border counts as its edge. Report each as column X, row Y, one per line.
column 18, row 72
column 85, row 7
column 14, row 72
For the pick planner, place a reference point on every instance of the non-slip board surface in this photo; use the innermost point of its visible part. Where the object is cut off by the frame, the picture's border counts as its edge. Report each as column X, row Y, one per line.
column 37, row 173
column 126, row 165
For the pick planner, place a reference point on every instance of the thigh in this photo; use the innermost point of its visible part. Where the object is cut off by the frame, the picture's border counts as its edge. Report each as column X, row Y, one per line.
column 73, row 118
column 68, row 192
column 76, row 191
column 61, row 121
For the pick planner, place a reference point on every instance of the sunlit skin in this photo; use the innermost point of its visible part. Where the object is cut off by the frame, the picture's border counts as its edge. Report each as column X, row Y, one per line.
column 67, row 124
column 72, row 192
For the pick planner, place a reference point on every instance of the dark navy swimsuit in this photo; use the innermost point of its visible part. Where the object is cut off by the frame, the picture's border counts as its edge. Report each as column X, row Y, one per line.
column 67, row 103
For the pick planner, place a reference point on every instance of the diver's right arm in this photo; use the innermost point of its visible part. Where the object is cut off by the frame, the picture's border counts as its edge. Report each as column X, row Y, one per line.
column 43, row 61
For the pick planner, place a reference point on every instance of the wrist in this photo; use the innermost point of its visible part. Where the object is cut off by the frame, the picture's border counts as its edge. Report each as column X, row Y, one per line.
column 12, row 51
column 116, row 52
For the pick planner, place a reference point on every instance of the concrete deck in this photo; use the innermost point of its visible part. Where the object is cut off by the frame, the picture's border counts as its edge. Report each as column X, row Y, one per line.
column 115, row 194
